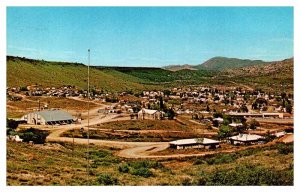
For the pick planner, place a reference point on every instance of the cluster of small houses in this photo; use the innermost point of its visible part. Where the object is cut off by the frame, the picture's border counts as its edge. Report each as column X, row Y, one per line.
column 189, row 95
column 236, row 98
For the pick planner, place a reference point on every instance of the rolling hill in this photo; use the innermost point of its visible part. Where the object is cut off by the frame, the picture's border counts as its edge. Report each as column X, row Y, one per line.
column 273, row 76
column 222, row 63
column 179, row 67
column 265, row 75
column 217, row 64
column 56, row 74
column 23, row 72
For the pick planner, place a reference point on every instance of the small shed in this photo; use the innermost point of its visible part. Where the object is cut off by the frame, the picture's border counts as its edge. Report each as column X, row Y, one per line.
column 195, row 143
column 235, row 125
column 219, row 119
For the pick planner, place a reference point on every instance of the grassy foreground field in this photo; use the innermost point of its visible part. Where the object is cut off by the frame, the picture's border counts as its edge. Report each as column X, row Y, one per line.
column 58, row 165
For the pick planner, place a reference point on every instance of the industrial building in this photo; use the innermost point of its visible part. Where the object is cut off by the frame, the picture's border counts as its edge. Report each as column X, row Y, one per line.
column 48, row 117
column 195, row 143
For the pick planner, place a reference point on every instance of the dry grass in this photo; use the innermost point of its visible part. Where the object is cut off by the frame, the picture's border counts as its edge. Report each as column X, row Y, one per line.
column 58, row 165
column 16, row 109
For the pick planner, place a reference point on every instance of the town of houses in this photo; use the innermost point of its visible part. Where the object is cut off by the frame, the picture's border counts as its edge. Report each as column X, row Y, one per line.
column 189, row 100
column 202, row 104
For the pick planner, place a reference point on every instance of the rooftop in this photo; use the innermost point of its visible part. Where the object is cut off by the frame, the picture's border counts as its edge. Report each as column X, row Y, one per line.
column 54, row 115
column 194, row 141
column 149, row 111
column 246, row 137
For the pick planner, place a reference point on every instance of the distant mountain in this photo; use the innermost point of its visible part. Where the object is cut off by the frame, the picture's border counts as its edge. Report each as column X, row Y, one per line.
column 267, row 75
column 180, row 67
column 221, row 63
column 272, row 76
column 284, row 67
column 217, row 64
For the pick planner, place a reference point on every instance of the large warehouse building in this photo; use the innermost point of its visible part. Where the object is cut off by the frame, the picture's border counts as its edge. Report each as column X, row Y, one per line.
column 195, row 143
column 48, row 117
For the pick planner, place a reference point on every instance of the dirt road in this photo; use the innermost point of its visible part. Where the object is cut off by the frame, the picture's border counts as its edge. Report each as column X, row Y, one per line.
column 289, row 138
column 146, row 151
column 128, row 149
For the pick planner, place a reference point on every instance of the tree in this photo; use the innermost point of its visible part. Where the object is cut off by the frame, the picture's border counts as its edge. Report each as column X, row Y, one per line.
column 35, row 135
column 217, row 114
column 161, row 103
column 170, row 113
column 288, row 108
column 225, row 131
column 244, row 108
column 207, row 108
column 253, row 124
column 12, row 124
column 215, row 123
column 167, row 92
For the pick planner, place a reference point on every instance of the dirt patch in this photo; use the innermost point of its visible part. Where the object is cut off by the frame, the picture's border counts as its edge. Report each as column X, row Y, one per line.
column 50, row 146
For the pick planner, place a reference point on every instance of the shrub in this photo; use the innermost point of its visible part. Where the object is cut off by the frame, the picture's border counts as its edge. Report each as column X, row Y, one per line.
column 144, row 172
column 250, row 175
column 285, row 148
column 12, row 124
column 199, row 162
column 35, row 135
column 145, row 164
column 186, row 182
column 222, row 158
column 107, row 179
column 99, row 153
column 124, row 168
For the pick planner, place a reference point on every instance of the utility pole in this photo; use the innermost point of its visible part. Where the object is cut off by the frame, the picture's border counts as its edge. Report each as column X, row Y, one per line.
column 39, row 105
column 88, row 121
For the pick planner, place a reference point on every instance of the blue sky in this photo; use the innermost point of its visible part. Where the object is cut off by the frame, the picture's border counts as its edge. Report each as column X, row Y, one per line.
column 149, row 36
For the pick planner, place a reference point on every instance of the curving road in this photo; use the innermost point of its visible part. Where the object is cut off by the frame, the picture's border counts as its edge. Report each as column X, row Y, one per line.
column 129, row 149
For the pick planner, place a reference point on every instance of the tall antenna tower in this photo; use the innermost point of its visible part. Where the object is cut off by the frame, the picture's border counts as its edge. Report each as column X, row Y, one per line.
column 88, row 120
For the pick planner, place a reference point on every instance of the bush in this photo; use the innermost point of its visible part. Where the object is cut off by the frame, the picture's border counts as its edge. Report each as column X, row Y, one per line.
column 145, row 164
column 186, row 182
column 106, row 179
column 285, row 148
column 99, row 153
column 222, row 158
column 35, row 135
column 144, row 172
column 251, row 175
column 12, row 124
column 124, row 168
column 23, row 89
column 199, row 162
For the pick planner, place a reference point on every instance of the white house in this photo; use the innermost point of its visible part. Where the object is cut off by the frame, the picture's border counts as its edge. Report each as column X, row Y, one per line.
column 219, row 119
column 150, row 114
column 245, row 139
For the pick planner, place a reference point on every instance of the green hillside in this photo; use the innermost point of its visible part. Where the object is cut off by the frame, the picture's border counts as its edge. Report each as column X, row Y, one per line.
column 49, row 74
column 221, row 63
column 270, row 75
column 163, row 76
column 23, row 72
